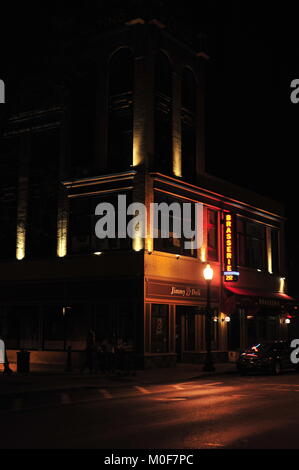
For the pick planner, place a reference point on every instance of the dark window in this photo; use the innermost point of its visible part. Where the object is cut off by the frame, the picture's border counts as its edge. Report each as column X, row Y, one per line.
column 241, row 238
column 9, row 152
column 160, row 328
column 82, row 222
column 251, row 244
column 212, row 235
column 188, row 126
column 188, row 90
column 83, row 119
column 275, row 250
column 175, row 242
column 255, row 245
column 41, row 232
column 163, row 75
column 163, row 114
column 120, row 126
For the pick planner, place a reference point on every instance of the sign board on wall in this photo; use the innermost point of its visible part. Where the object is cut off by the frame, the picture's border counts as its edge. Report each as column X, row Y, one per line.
column 230, row 249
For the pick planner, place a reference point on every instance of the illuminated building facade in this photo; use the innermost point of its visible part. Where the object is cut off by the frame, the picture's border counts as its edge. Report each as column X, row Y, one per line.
column 129, row 119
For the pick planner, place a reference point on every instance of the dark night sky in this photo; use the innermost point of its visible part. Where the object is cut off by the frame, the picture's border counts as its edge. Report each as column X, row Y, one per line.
column 254, row 55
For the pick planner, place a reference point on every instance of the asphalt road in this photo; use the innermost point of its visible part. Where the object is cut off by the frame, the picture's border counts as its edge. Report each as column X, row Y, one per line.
column 224, row 412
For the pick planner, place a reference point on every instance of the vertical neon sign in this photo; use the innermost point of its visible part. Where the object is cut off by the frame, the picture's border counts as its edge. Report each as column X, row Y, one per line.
column 230, row 273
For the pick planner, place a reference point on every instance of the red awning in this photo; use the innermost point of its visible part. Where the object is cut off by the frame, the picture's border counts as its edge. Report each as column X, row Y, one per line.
column 259, row 293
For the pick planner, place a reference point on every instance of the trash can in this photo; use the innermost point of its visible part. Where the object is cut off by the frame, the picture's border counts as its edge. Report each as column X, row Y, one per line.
column 23, row 362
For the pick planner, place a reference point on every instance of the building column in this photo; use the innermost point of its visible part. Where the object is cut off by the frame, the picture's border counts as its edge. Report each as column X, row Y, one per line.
column 176, row 126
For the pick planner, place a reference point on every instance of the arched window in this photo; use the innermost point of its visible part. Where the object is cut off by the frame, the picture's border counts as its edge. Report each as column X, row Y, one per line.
column 120, row 125
column 83, row 118
column 188, row 125
column 163, row 114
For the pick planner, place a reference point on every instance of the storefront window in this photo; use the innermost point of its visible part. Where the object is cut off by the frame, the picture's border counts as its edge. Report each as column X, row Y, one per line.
column 78, row 324
column 29, row 327
column 160, row 328
column 189, row 331
column 54, row 327
column 10, row 327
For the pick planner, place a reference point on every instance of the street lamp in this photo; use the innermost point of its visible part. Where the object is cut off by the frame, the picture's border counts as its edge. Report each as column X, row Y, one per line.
column 209, row 364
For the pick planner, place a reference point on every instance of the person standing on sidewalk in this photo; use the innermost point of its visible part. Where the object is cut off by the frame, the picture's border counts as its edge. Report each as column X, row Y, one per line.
column 7, row 370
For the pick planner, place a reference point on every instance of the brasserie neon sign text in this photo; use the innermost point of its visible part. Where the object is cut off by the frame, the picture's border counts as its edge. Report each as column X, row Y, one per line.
column 230, row 273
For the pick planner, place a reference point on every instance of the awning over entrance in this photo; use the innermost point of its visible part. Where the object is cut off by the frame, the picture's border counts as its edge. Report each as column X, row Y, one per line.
column 257, row 301
column 259, row 293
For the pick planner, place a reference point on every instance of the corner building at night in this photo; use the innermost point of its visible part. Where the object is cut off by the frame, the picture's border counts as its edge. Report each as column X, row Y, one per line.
column 123, row 113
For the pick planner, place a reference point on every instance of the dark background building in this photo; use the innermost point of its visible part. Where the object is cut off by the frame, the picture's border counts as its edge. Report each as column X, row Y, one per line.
column 253, row 58
column 53, row 91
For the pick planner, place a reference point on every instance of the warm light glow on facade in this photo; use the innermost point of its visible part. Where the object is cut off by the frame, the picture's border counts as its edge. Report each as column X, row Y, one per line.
column 177, row 163
column 137, row 153
column 282, row 285
column 203, row 256
column 208, row 273
column 21, row 240
column 62, row 234
column 149, row 245
column 269, row 251
column 138, row 244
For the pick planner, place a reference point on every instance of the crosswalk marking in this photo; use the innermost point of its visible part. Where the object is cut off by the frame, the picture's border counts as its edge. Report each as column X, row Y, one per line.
column 142, row 390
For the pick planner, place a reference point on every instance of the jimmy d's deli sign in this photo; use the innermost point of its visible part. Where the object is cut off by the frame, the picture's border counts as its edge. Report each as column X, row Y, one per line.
column 230, row 264
column 184, row 292
column 167, row 290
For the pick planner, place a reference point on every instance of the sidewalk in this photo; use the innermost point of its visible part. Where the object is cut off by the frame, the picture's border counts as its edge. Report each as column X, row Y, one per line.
column 47, row 379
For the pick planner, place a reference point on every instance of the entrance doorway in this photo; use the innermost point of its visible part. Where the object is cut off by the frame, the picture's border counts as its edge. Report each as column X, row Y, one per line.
column 185, row 330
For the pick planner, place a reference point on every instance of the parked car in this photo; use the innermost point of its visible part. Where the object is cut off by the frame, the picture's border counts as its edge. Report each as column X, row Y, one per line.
column 267, row 356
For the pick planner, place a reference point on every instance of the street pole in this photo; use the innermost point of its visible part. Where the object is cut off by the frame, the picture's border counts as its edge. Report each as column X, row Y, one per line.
column 209, row 363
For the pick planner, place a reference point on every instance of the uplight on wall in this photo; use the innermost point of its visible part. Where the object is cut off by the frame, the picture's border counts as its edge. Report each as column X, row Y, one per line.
column 203, row 254
column 137, row 244
column 21, row 239
column 282, row 285
column 62, row 234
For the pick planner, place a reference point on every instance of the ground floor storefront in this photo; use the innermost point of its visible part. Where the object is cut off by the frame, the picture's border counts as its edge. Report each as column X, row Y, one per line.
column 257, row 316
column 163, row 325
